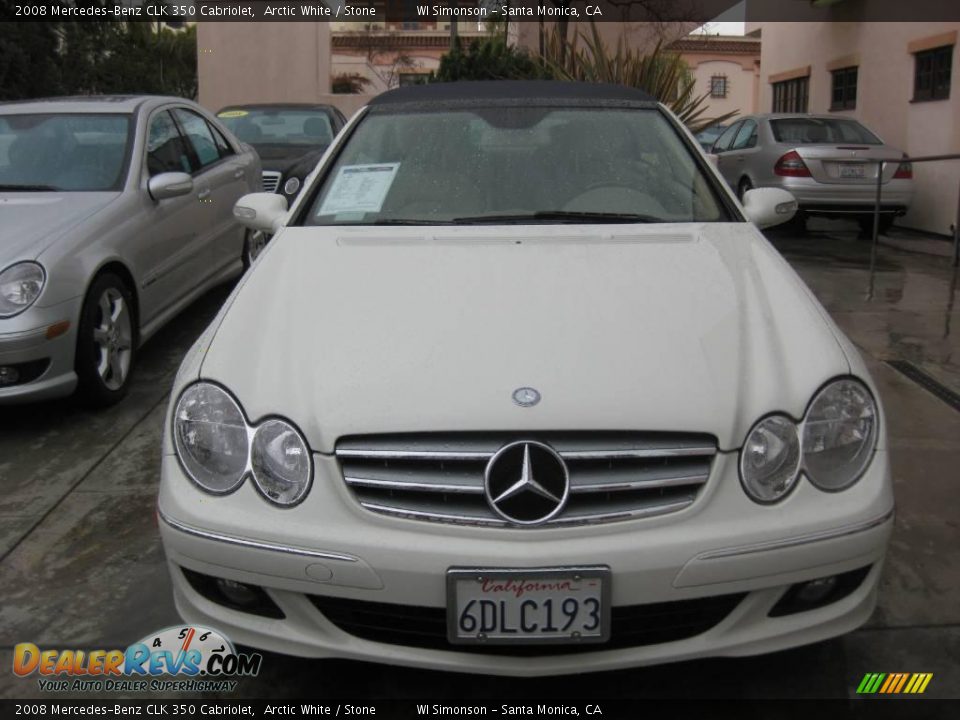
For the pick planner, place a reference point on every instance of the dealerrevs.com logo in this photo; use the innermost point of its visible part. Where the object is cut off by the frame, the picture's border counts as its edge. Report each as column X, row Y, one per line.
column 204, row 657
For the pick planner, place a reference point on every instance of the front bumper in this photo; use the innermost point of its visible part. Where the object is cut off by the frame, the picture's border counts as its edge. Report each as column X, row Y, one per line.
column 328, row 546
column 24, row 341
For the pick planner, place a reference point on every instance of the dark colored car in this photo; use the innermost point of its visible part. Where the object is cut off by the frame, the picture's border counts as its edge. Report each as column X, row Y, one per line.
column 289, row 137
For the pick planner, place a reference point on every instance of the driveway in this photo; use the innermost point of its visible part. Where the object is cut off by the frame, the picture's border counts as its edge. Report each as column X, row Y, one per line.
column 81, row 564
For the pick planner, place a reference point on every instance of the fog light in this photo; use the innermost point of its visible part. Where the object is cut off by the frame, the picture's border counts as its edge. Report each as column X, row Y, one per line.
column 815, row 591
column 237, row 592
column 8, row 375
column 232, row 594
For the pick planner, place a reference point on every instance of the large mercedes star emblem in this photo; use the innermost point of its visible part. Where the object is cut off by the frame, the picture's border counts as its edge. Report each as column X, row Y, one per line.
column 526, row 483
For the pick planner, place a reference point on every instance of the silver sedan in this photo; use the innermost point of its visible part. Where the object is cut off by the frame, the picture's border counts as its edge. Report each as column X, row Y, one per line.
column 115, row 214
column 823, row 160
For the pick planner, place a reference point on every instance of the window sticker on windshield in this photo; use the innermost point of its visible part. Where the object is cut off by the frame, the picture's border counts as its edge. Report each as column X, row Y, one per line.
column 233, row 113
column 359, row 188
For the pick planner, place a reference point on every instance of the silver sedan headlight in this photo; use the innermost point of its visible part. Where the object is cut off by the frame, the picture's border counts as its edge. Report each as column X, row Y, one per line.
column 20, row 286
column 770, row 459
column 219, row 449
column 839, row 434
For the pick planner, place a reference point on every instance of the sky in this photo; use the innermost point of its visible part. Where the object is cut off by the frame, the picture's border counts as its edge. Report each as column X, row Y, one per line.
column 727, row 23
column 722, row 28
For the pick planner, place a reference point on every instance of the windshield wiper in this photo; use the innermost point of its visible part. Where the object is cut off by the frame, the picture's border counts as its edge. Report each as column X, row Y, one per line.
column 395, row 221
column 28, row 188
column 560, row 216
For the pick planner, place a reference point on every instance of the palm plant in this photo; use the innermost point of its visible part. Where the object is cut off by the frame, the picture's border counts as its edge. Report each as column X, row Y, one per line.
column 661, row 73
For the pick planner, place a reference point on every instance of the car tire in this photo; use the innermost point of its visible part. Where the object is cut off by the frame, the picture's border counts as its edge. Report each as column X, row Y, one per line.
column 106, row 342
column 797, row 224
column 253, row 244
column 866, row 224
column 742, row 189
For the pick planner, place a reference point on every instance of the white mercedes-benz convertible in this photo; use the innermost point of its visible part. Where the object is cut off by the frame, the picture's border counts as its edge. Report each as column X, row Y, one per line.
column 519, row 387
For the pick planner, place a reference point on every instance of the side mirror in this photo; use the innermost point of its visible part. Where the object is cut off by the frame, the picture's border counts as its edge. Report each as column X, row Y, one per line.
column 767, row 207
column 169, row 185
column 261, row 211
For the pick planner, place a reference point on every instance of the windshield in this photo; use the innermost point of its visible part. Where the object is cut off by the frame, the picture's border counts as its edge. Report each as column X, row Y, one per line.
column 278, row 126
column 821, row 130
column 514, row 164
column 79, row 152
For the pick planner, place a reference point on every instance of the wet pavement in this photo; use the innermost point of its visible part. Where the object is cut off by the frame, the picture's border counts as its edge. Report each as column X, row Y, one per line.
column 81, row 564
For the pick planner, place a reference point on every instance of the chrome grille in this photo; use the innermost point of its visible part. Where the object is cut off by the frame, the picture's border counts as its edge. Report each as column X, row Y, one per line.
column 613, row 475
column 271, row 180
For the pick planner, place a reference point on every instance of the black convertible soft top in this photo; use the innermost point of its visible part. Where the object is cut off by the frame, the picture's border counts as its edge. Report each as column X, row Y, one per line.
column 510, row 90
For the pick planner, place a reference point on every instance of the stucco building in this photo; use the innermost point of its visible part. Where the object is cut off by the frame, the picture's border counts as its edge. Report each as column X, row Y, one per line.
column 726, row 67
column 388, row 56
column 899, row 79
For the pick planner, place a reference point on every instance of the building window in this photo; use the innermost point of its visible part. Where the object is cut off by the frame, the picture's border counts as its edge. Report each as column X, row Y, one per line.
column 718, row 86
column 791, row 95
column 414, row 79
column 844, row 89
column 931, row 79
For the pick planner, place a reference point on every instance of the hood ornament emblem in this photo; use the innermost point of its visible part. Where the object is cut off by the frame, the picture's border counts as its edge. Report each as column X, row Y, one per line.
column 526, row 396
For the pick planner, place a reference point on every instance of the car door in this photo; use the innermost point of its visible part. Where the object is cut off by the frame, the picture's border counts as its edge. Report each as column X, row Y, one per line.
column 168, row 250
column 722, row 146
column 742, row 151
column 220, row 178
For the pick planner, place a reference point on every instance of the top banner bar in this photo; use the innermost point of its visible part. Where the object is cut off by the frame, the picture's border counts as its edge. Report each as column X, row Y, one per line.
column 401, row 13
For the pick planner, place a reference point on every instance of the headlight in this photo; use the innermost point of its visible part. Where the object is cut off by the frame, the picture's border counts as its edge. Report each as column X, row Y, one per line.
column 20, row 286
column 770, row 459
column 218, row 448
column 839, row 434
column 291, row 186
column 281, row 462
column 211, row 439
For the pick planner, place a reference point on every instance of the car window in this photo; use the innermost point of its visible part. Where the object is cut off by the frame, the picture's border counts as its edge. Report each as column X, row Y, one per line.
column 199, row 135
column 821, row 130
column 747, row 137
column 223, row 147
column 279, row 125
column 61, row 151
column 477, row 164
column 166, row 149
column 723, row 142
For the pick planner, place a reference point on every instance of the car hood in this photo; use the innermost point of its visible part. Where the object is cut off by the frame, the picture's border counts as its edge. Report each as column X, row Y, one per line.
column 31, row 222
column 660, row 328
column 282, row 158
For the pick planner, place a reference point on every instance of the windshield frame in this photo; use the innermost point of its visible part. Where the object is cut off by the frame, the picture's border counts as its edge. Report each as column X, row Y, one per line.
column 308, row 197
column 133, row 128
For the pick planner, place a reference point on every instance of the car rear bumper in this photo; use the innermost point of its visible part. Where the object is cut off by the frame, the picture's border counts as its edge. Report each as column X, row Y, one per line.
column 697, row 557
column 45, row 365
column 829, row 198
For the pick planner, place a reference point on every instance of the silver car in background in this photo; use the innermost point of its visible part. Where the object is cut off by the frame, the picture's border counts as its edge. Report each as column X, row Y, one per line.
column 115, row 213
column 823, row 160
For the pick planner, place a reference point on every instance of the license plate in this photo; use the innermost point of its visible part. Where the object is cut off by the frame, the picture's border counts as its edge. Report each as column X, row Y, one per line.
column 506, row 606
column 851, row 171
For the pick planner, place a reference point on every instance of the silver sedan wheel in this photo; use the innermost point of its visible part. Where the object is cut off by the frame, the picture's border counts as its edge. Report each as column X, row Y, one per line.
column 113, row 336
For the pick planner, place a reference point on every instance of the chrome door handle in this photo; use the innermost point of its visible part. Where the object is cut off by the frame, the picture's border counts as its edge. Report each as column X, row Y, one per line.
column 204, row 194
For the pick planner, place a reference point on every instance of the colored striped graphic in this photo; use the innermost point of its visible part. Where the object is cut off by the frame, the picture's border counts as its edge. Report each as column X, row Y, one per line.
column 894, row 683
